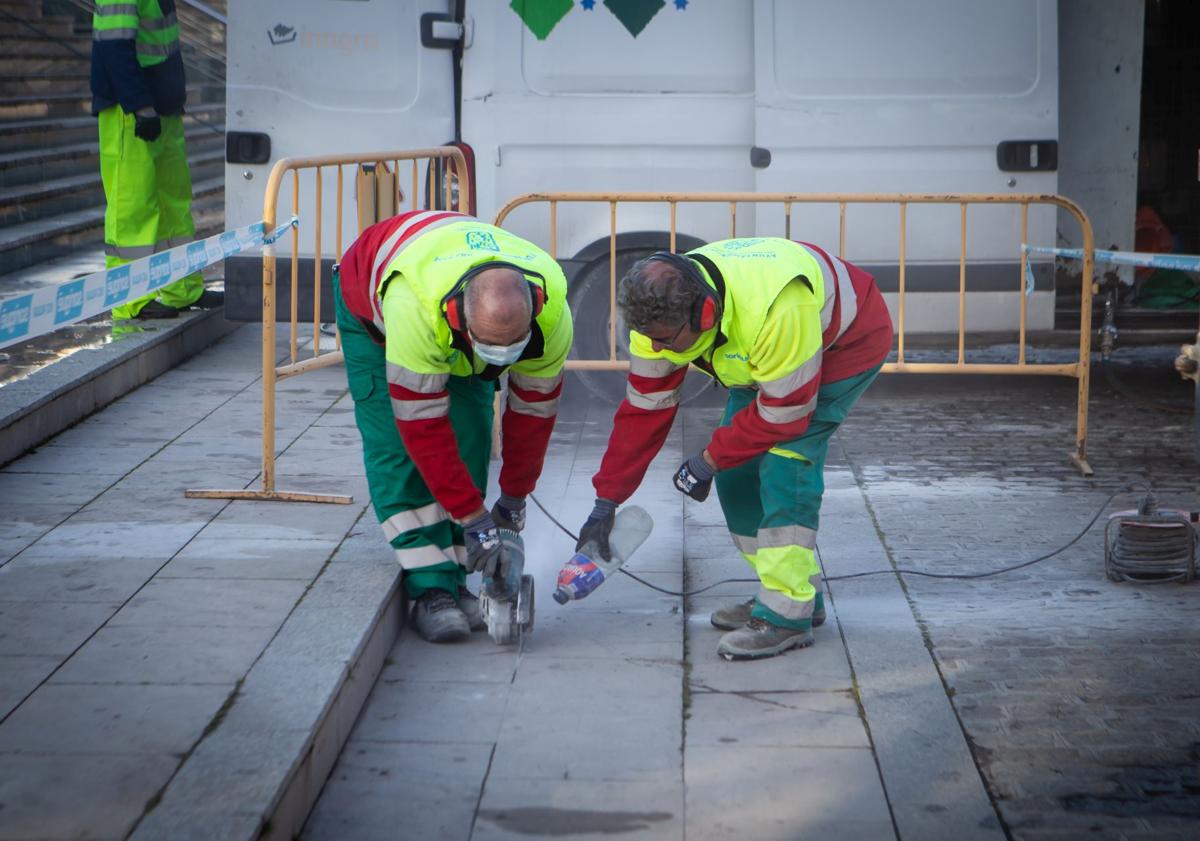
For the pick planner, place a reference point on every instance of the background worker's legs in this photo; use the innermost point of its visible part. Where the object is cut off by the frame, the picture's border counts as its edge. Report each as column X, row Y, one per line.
column 134, row 222
column 175, row 226
column 428, row 544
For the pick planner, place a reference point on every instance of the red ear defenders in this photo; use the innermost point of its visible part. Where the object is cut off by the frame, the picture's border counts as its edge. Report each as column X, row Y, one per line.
column 706, row 314
column 454, row 305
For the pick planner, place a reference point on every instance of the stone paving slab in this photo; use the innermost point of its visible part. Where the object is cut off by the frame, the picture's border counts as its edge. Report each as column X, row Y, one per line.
column 595, row 810
column 74, row 719
column 370, row 794
column 811, row 793
column 99, row 796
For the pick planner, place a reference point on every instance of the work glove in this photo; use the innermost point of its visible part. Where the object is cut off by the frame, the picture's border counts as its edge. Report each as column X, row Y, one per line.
column 485, row 551
column 509, row 512
column 597, row 528
column 695, row 477
column 147, row 125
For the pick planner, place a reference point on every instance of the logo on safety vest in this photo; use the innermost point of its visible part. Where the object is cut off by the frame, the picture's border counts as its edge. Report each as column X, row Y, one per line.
column 481, row 241
column 116, row 285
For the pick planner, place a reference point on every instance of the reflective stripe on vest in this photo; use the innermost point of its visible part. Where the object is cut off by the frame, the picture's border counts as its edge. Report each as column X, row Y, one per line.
column 397, row 242
column 845, row 293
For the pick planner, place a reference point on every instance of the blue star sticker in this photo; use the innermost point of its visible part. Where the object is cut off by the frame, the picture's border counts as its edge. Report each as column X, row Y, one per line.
column 681, row 4
column 588, row 5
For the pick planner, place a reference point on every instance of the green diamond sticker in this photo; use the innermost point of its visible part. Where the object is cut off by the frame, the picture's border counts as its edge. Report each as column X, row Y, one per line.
column 634, row 14
column 541, row 16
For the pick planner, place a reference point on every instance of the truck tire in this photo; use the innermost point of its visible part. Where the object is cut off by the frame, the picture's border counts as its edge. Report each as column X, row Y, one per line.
column 588, row 296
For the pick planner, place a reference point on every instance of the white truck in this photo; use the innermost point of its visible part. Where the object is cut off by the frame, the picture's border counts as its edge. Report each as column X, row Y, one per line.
column 842, row 96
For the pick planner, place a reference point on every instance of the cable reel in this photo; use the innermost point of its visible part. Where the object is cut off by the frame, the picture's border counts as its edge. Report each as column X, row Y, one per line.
column 1150, row 545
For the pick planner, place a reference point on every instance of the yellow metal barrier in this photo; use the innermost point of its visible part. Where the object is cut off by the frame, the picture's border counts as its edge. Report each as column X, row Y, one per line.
column 1079, row 369
column 456, row 177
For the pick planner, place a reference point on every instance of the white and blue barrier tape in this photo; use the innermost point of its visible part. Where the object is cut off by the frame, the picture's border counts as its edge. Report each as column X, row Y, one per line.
column 1183, row 262
column 30, row 314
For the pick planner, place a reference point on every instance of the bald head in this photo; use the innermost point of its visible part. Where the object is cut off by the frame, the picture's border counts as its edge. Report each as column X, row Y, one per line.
column 498, row 306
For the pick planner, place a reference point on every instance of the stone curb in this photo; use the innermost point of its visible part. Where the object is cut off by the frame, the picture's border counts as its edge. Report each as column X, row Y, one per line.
column 262, row 762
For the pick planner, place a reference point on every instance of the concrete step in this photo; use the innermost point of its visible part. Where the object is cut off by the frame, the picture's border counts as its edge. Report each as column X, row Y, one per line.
column 30, row 10
column 28, row 107
column 44, row 83
column 45, row 239
column 54, row 27
column 38, row 106
column 48, row 132
column 35, row 165
column 44, row 65
column 26, row 42
column 43, row 199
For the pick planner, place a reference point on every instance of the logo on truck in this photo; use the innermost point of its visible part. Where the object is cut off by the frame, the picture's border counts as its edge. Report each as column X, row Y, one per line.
column 281, row 34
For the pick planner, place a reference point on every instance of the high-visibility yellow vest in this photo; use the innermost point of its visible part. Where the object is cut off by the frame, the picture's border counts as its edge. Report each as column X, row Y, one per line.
column 155, row 33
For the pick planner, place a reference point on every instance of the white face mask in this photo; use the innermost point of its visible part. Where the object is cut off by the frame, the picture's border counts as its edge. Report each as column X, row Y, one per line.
column 500, row 354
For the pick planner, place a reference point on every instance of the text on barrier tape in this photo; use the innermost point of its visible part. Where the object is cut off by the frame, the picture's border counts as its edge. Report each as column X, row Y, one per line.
column 1183, row 262
column 28, row 315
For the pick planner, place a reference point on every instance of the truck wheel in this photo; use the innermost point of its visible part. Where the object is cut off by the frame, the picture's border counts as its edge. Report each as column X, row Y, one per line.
column 588, row 296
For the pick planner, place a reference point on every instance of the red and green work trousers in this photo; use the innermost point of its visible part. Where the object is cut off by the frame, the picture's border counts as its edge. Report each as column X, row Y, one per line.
column 149, row 193
column 428, row 544
column 772, row 505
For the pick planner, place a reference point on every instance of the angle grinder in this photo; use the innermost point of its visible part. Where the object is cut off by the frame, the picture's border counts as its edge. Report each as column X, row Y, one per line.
column 506, row 601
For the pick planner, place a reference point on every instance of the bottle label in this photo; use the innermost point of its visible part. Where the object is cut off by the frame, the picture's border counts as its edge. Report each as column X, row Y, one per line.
column 580, row 576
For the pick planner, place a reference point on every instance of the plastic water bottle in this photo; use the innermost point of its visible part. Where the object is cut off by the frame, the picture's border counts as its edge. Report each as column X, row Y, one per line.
column 586, row 570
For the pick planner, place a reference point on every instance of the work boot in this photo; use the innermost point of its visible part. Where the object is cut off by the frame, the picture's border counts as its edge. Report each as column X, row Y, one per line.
column 759, row 638
column 733, row 616
column 468, row 603
column 157, row 309
column 209, row 299
column 436, row 617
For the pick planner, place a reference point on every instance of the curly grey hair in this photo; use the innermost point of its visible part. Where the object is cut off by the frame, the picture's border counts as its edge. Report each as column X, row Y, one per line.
column 655, row 292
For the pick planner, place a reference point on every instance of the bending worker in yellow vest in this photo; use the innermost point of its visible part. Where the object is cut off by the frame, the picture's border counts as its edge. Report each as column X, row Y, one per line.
column 138, row 93
column 796, row 335
column 432, row 307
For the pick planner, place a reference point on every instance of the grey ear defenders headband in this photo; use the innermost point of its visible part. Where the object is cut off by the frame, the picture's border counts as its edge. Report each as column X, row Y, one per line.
column 706, row 313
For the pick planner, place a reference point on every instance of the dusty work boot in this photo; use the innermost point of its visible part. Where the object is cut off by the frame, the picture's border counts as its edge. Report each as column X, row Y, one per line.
column 436, row 617
column 759, row 638
column 468, row 603
column 733, row 616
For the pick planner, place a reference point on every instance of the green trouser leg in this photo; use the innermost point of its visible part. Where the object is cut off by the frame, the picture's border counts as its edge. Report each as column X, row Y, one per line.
column 428, row 544
column 772, row 505
column 148, row 191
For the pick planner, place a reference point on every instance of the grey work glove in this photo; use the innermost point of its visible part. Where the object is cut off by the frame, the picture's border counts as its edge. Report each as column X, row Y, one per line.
column 147, row 126
column 509, row 512
column 598, row 526
column 485, row 551
column 695, row 477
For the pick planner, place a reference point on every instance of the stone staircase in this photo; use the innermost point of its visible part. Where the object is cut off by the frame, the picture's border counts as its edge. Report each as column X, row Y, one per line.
column 51, row 198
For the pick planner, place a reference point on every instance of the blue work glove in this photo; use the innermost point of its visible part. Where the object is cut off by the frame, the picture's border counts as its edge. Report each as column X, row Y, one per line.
column 485, row 551
column 147, row 126
column 598, row 526
column 509, row 512
column 695, row 477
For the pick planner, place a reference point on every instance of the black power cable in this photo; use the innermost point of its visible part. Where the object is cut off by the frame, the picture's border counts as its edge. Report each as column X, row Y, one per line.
column 894, row 571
